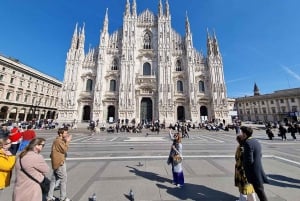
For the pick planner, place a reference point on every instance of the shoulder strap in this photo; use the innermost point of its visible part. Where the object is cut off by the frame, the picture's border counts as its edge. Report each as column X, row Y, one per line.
column 31, row 177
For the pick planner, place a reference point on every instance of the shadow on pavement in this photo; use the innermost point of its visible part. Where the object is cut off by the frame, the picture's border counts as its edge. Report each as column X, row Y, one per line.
column 197, row 193
column 280, row 180
column 188, row 191
column 149, row 175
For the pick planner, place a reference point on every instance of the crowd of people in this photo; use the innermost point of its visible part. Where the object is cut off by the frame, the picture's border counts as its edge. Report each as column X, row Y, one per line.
column 20, row 150
column 283, row 128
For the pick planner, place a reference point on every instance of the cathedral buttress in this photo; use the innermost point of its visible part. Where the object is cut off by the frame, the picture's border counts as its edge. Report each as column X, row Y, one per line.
column 127, row 81
column 75, row 57
column 100, row 68
column 190, row 71
column 217, row 80
column 164, row 64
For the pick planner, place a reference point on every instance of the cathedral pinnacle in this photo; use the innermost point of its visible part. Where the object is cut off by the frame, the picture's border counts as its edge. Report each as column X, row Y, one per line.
column 134, row 8
column 82, row 37
column 167, row 10
column 127, row 11
column 105, row 23
column 75, row 37
column 187, row 24
column 160, row 9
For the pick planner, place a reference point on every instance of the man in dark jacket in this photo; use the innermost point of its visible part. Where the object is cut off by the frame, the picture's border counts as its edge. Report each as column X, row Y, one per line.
column 252, row 163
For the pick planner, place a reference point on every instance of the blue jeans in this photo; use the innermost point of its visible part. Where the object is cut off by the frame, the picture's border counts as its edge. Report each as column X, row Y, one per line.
column 59, row 174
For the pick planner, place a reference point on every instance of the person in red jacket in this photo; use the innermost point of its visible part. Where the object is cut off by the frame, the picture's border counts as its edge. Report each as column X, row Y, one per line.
column 27, row 136
column 15, row 137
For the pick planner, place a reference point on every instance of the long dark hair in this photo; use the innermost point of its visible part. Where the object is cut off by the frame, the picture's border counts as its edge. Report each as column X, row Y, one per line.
column 31, row 145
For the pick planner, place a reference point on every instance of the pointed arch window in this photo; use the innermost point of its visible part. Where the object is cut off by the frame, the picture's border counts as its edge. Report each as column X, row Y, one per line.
column 201, row 86
column 146, row 69
column 112, row 85
column 89, row 85
column 147, row 41
column 178, row 65
column 179, row 86
column 114, row 65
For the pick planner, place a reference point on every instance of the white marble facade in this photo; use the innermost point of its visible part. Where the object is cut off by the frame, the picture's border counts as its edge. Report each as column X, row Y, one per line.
column 145, row 71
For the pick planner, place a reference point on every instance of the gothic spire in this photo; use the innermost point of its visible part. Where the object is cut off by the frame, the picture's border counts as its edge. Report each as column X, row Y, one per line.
column 134, row 8
column 82, row 37
column 188, row 35
column 187, row 24
column 75, row 37
column 215, row 44
column 207, row 33
column 105, row 23
column 104, row 32
column 256, row 90
column 167, row 9
column 127, row 11
column 208, row 44
column 160, row 9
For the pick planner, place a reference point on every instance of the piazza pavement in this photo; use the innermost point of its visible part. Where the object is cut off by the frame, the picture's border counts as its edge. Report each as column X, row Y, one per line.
column 110, row 165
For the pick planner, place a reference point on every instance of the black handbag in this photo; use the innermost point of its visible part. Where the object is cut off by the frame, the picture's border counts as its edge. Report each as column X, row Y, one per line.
column 45, row 184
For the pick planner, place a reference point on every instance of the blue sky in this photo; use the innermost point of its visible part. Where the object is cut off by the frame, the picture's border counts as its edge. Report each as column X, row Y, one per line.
column 259, row 39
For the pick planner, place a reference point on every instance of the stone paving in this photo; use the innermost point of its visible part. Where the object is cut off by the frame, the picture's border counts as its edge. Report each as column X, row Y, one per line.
column 207, row 178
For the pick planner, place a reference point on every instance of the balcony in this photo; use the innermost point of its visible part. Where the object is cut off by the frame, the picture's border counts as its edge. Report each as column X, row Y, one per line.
column 145, row 80
column 86, row 95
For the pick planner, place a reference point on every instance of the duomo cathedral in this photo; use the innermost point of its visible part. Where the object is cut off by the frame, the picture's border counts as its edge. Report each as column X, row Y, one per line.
column 143, row 72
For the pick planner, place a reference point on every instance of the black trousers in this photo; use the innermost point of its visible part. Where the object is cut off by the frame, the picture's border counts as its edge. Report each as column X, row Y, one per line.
column 259, row 190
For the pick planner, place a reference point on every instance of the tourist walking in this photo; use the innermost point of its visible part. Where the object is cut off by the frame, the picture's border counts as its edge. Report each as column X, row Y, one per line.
column 58, row 160
column 7, row 162
column 282, row 132
column 240, row 180
column 175, row 159
column 31, row 161
column 293, row 130
column 252, row 163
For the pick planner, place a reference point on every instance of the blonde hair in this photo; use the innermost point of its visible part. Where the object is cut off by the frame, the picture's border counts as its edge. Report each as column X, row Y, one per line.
column 31, row 145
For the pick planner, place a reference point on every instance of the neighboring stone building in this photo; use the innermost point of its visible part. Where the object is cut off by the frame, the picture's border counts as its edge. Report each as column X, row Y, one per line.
column 282, row 105
column 143, row 72
column 25, row 93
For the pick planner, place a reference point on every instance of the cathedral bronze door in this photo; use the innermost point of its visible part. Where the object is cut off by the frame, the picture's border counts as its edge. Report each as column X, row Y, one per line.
column 86, row 113
column 146, row 110
column 180, row 113
column 203, row 114
column 111, row 114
